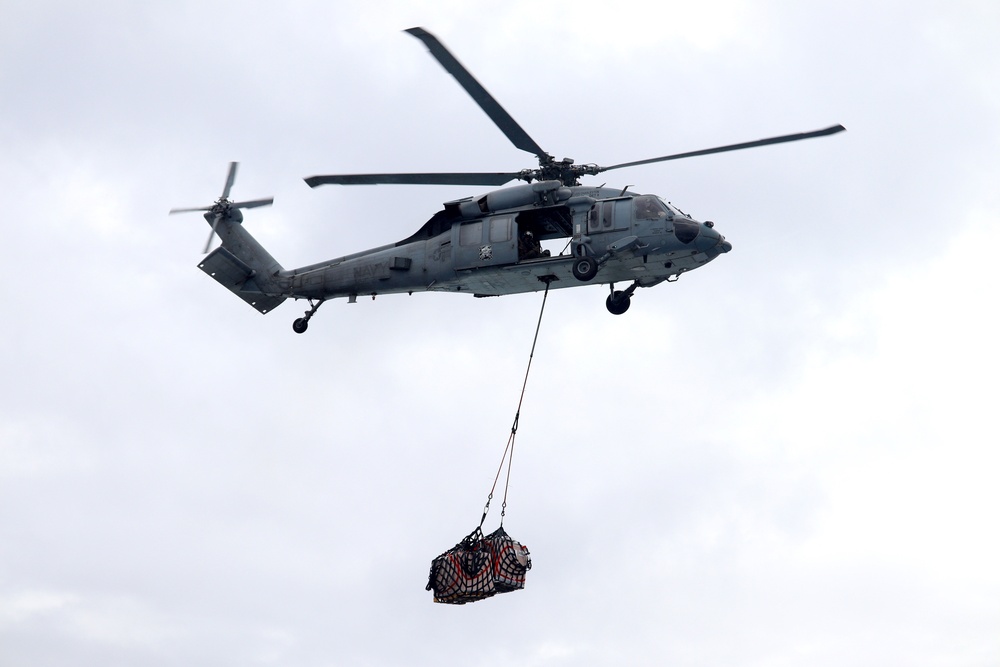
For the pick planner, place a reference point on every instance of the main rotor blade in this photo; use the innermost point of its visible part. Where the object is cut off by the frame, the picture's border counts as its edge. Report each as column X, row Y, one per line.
column 484, row 178
column 735, row 147
column 487, row 103
column 230, row 179
column 254, row 203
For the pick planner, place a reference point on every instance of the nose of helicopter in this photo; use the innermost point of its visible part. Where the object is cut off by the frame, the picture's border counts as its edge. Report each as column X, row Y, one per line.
column 711, row 241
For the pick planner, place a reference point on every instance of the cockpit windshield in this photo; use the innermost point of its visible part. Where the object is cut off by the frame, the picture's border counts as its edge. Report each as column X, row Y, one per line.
column 650, row 207
column 670, row 207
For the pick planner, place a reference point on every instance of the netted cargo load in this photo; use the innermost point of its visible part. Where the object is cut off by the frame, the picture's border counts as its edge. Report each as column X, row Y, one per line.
column 479, row 567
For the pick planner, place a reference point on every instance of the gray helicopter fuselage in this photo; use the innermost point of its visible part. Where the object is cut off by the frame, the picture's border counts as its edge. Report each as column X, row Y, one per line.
column 490, row 246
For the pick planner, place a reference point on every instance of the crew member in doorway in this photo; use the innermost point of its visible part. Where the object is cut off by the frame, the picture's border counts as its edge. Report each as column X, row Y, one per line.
column 528, row 246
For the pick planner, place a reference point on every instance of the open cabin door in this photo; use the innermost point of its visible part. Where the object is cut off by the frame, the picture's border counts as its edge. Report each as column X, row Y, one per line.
column 488, row 242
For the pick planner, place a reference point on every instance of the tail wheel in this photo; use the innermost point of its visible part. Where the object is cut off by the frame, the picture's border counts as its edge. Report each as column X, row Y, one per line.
column 300, row 325
column 585, row 268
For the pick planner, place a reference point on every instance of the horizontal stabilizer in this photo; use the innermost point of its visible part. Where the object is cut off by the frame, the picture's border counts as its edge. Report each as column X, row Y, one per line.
column 233, row 274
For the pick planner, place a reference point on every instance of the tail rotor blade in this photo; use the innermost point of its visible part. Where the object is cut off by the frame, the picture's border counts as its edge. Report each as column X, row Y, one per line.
column 254, row 203
column 211, row 236
column 190, row 210
column 223, row 208
column 230, row 179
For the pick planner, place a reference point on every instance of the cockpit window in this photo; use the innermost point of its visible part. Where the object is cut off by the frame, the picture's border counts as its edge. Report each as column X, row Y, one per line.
column 648, row 207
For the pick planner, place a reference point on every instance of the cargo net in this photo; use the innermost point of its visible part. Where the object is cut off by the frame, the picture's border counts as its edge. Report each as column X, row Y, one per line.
column 479, row 567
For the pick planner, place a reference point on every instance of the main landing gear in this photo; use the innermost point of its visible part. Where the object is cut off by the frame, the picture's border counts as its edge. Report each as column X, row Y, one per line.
column 300, row 325
column 619, row 300
column 585, row 268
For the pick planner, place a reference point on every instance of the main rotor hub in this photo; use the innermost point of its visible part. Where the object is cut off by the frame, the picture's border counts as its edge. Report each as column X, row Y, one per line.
column 565, row 171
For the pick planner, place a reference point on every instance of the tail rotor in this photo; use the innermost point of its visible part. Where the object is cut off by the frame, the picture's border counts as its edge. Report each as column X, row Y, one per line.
column 224, row 208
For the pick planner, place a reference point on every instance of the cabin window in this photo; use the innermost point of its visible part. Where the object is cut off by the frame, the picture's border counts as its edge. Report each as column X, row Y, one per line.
column 608, row 215
column 471, row 233
column 500, row 229
column 602, row 217
column 623, row 213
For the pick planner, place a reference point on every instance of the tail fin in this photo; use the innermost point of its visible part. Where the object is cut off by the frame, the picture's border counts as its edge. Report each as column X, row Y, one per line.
column 236, row 275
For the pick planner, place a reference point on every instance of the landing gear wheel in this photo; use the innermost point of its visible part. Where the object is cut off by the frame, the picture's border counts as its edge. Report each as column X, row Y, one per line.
column 618, row 303
column 300, row 325
column 585, row 268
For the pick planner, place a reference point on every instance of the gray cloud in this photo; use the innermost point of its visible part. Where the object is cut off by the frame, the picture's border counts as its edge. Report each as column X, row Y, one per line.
column 785, row 457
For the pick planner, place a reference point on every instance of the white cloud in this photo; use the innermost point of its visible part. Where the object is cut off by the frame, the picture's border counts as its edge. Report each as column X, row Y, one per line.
column 901, row 426
column 23, row 606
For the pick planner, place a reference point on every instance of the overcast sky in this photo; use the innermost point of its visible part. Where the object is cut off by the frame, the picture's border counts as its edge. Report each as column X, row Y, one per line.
column 789, row 457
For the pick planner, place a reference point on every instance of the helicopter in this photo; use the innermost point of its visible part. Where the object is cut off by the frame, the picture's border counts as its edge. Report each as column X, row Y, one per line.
column 490, row 244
